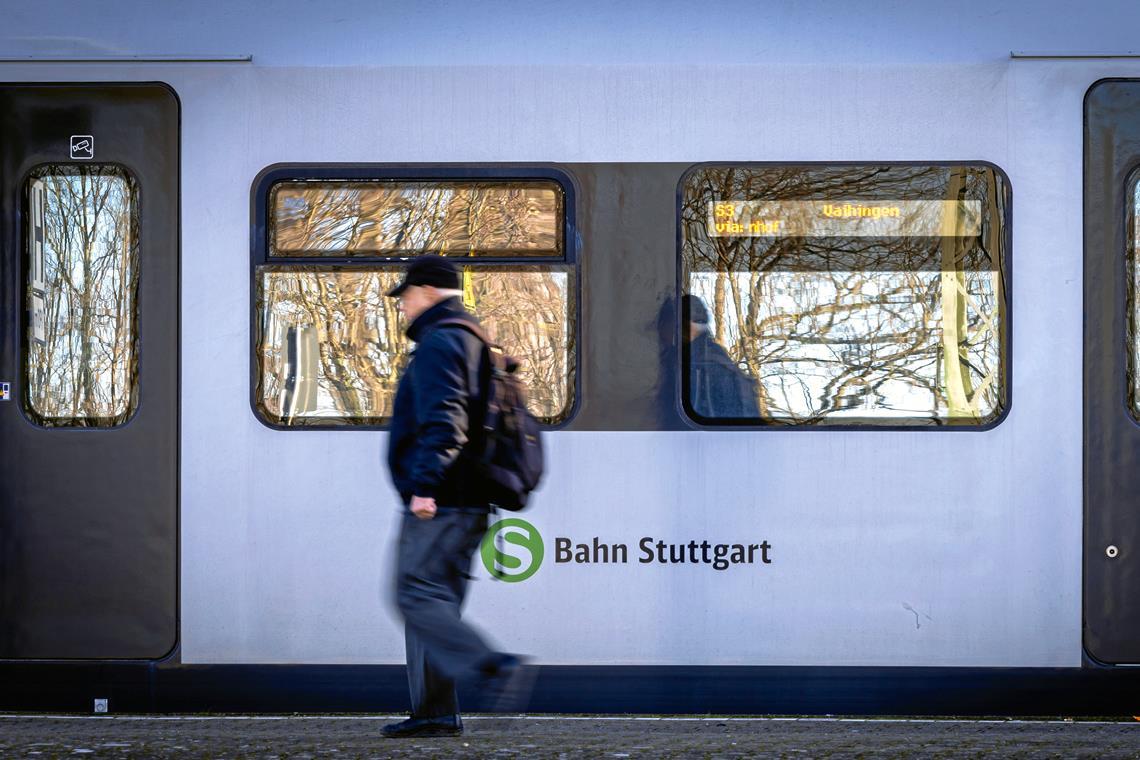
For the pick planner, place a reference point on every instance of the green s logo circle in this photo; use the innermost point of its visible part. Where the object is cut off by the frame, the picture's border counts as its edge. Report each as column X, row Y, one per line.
column 501, row 547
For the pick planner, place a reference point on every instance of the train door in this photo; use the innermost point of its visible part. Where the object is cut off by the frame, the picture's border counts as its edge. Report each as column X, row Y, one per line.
column 89, row 298
column 1112, row 372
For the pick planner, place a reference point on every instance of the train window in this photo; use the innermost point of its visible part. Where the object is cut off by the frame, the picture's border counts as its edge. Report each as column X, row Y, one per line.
column 391, row 219
column 82, row 334
column 330, row 345
column 845, row 295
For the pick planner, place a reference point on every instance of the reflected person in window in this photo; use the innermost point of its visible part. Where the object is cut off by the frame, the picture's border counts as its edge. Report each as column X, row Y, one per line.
column 718, row 387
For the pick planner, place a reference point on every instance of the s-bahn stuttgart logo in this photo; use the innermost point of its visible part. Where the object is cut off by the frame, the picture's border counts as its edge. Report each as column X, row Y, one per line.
column 512, row 550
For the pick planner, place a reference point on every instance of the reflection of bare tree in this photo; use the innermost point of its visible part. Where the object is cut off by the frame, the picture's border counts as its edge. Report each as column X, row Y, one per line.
column 406, row 218
column 530, row 314
column 1133, row 265
column 857, row 329
column 359, row 348
column 83, row 373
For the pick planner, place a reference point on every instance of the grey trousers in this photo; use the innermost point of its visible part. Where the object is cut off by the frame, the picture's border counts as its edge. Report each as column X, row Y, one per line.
column 432, row 565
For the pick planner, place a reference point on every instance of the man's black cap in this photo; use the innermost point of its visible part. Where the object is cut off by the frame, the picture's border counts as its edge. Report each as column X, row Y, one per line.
column 429, row 269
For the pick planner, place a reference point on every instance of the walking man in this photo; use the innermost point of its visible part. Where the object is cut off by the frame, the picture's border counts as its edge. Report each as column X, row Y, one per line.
column 435, row 435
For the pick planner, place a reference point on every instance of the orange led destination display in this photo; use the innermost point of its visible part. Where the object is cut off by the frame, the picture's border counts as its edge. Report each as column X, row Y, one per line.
column 844, row 218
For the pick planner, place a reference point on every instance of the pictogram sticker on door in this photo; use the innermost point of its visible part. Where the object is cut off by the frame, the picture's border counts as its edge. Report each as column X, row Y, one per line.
column 82, row 147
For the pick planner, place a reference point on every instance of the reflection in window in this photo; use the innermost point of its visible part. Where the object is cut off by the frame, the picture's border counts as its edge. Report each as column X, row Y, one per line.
column 1133, row 259
column 81, row 361
column 847, row 330
column 331, row 346
column 396, row 219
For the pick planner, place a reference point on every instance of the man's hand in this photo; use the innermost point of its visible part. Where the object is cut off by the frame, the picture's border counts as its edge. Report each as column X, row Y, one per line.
column 423, row 507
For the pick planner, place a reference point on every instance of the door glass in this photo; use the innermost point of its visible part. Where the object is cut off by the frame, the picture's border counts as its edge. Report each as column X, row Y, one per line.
column 1133, row 301
column 82, row 332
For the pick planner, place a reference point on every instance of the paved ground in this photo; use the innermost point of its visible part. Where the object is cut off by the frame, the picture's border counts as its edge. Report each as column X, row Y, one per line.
column 343, row 737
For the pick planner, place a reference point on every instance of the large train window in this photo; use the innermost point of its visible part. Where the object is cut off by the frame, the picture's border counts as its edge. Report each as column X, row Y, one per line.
column 80, row 356
column 329, row 346
column 845, row 295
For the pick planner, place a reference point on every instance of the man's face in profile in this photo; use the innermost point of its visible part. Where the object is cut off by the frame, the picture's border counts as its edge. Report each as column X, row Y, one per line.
column 415, row 300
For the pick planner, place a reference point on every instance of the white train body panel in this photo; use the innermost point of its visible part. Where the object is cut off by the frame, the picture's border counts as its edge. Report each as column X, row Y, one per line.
column 888, row 548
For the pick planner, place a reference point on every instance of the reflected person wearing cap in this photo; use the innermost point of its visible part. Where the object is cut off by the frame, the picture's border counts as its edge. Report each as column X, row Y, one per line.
column 718, row 388
column 437, row 423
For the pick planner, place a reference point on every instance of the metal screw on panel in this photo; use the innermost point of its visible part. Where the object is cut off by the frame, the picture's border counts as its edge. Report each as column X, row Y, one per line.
column 1111, row 552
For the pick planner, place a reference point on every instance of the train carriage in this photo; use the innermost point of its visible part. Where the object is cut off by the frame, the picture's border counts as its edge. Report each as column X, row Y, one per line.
column 918, row 258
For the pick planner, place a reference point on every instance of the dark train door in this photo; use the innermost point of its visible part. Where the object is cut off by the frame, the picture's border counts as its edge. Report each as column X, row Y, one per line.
column 89, row 299
column 1112, row 372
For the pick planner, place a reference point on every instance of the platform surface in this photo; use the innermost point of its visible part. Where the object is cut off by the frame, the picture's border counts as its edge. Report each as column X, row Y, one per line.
column 535, row 736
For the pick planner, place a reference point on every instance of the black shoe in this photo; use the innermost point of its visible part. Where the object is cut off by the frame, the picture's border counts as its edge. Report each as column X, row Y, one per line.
column 444, row 725
column 507, row 684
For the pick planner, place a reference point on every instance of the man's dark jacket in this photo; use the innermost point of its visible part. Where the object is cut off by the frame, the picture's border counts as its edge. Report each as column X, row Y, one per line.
column 437, row 423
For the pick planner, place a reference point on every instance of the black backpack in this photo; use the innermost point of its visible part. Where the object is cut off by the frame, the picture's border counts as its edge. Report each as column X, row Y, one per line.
column 510, row 464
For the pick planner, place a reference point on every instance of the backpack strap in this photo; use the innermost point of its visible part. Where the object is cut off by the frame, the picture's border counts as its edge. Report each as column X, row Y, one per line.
column 495, row 363
column 500, row 360
column 471, row 327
